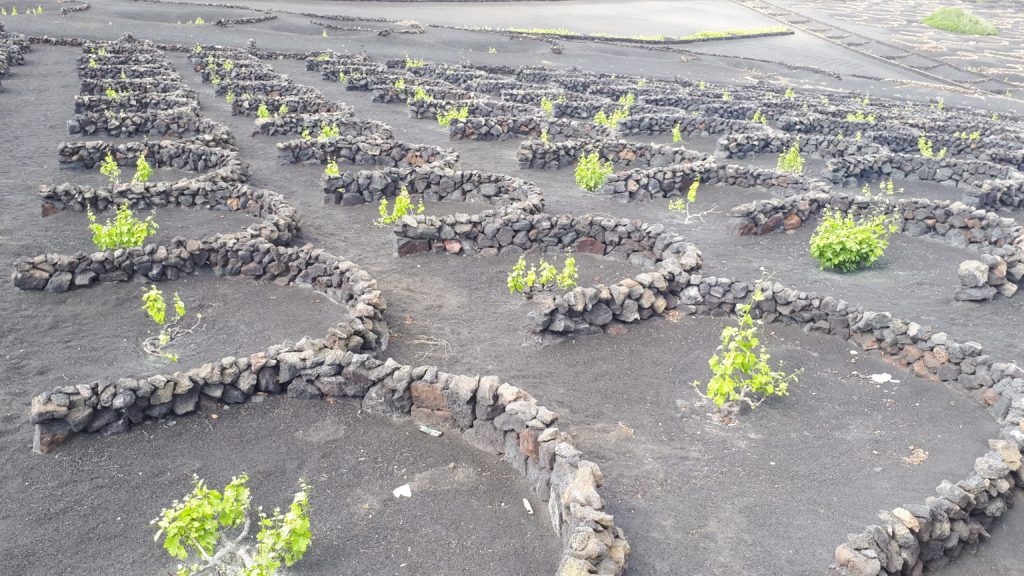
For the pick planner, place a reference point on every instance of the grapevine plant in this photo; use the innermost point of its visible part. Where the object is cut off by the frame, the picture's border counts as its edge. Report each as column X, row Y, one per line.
column 110, row 169
column 846, row 243
column 332, row 168
column 620, row 113
column 403, row 206
column 924, row 145
column 328, row 131
column 740, row 368
column 791, row 162
column 444, row 119
column 126, row 231
column 546, row 277
column 684, row 205
column 143, row 171
column 591, row 172
column 194, row 531
column 419, row 94
column 155, row 306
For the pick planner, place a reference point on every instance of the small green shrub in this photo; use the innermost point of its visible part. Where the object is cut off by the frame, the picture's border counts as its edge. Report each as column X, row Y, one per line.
column 726, row 95
column 925, row 145
column 229, row 97
column 111, row 93
column 194, row 531
column 332, row 168
column 419, row 94
column 740, row 366
column 885, row 188
column 262, row 112
column 403, row 206
column 126, row 231
column 282, row 110
column 860, row 116
column 400, row 84
column 414, row 63
column 760, row 118
column 845, row 243
column 342, row 78
column 591, row 172
column 111, row 170
column 199, row 21
column 444, row 119
column 155, row 306
column 544, row 136
column 960, row 21
column 328, row 131
column 546, row 277
column 620, row 113
column 143, row 171
column 789, row 93
column 548, row 106
column 677, row 133
column 791, row 162
column 682, row 204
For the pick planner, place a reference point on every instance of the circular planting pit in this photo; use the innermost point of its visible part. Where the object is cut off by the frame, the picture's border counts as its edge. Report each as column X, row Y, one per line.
column 466, row 507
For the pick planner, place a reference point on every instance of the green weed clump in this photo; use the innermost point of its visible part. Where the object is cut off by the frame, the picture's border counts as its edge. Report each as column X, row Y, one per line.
column 960, row 21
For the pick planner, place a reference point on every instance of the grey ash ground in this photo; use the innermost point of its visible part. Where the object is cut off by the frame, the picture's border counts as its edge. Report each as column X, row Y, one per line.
column 759, row 498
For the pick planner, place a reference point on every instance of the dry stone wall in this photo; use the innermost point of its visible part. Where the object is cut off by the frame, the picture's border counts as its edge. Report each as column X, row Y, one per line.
column 12, row 50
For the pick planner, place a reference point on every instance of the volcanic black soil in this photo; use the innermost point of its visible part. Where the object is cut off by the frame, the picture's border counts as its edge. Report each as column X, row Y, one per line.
column 771, row 495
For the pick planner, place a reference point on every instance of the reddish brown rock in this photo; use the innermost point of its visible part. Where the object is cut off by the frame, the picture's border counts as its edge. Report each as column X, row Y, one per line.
column 528, row 443
column 453, row 246
column 407, row 247
column 428, row 395
column 590, row 246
